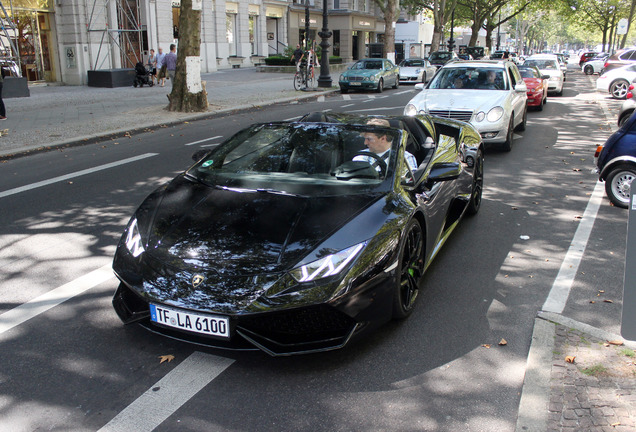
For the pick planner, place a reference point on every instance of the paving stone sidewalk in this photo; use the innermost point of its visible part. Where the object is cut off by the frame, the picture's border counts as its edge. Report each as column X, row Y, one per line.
column 597, row 391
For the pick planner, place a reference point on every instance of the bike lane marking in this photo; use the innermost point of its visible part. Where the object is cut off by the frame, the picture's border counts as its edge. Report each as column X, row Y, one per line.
column 171, row 392
column 43, row 303
column 73, row 175
column 204, row 140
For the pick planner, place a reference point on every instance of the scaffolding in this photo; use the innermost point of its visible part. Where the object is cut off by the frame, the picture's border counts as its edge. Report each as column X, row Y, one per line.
column 127, row 37
column 10, row 54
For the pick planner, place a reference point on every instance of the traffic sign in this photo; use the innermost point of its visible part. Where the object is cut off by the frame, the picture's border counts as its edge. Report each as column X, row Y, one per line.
column 622, row 26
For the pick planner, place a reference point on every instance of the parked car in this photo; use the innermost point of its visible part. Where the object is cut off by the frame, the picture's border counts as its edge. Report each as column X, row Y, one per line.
column 616, row 81
column 440, row 58
column 563, row 65
column 548, row 65
column 616, row 163
column 594, row 65
column 416, row 70
column 278, row 240
column 370, row 74
column 490, row 94
column 586, row 56
column 627, row 107
column 537, row 86
column 619, row 59
column 476, row 51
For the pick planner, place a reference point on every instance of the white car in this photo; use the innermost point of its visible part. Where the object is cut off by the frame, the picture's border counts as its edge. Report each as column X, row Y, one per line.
column 489, row 94
column 416, row 70
column 549, row 65
column 616, row 81
column 594, row 65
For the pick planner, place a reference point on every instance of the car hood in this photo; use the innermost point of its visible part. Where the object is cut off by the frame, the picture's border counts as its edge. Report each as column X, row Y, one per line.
column 533, row 82
column 459, row 99
column 239, row 232
column 411, row 69
column 361, row 72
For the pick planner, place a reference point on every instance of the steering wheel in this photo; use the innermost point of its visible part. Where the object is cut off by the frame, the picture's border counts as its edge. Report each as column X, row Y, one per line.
column 379, row 162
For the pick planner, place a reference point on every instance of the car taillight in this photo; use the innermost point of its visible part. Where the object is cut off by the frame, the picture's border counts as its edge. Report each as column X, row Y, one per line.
column 629, row 95
column 599, row 149
column 606, row 64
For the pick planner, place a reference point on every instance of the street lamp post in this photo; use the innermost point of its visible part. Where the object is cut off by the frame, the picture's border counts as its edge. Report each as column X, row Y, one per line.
column 451, row 41
column 324, row 80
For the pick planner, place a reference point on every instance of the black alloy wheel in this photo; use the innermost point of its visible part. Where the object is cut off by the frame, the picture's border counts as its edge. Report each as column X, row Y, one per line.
column 478, row 185
column 588, row 69
column 411, row 270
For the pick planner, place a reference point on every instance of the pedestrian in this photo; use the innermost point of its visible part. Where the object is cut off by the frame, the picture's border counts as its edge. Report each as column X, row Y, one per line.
column 161, row 67
column 297, row 57
column 171, row 62
column 152, row 65
column 3, row 113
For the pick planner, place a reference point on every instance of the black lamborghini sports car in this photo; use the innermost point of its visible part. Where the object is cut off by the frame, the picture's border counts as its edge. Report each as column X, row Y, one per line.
column 282, row 239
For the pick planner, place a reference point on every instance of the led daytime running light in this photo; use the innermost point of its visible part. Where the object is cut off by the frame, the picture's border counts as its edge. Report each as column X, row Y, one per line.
column 133, row 240
column 327, row 266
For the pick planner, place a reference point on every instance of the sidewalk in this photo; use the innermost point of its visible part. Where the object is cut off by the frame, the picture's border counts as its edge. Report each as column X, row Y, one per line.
column 57, row 115
column 595, row 393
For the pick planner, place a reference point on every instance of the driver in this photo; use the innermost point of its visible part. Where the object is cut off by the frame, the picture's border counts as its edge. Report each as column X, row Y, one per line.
column 380, row 144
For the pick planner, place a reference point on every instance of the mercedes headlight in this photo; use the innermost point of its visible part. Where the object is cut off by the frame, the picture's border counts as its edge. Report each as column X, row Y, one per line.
column 134, row 244
column 410, row 110
column 480, row 116
column 495, row 114
column 328, row 266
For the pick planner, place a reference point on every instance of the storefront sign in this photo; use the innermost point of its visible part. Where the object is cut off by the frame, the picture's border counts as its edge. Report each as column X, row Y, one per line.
column 273, row 12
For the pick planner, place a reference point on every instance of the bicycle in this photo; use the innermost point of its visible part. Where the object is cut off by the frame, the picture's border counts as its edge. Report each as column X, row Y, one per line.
column 304, row 77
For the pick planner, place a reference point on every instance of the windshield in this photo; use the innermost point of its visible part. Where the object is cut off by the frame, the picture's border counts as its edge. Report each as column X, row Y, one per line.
column 371, row 64
column 542, row 64
column 474, row 78
column 412, row 63
column 440, row 56
column 529, row 72
column 300, row 158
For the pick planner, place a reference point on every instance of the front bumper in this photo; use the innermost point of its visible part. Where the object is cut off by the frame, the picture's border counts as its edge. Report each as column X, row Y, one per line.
column 358, row 85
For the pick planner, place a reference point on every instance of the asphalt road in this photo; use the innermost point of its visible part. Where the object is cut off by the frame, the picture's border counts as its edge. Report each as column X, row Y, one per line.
column 68, row 364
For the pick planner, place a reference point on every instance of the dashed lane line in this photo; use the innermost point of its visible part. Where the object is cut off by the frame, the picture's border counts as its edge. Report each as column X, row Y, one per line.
column 204, row 140
column 43, row 303
column 171, row 392
column 73, row 175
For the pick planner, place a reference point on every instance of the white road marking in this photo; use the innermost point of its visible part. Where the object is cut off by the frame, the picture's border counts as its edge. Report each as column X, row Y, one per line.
column 41, row 304
column 346, row 97
column 347, row 105
column 292, row 118
column 73, row 175
column 562, row 285
column 320, row 99
column 172, row 391
column 204, row 140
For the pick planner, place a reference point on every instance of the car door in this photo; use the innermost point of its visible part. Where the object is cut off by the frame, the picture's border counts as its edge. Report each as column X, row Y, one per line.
column 388, row 71
column 519, row 99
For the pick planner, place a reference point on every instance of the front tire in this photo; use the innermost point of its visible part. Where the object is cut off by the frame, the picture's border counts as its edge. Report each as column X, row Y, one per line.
column 397, row 83
column 380, row 86
column 478, row 186
column 618, row 89
column 588, row 70
column 617, row 184
column 507, row 145
column 411, row 270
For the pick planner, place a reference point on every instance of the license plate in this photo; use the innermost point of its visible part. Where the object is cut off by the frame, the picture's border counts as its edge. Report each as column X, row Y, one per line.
column 198, row 323
column 355, row 83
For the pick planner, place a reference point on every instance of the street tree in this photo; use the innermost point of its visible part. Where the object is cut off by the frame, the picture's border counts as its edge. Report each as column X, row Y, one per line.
column 601, row 15
column 441, row 10
column 391, row 12
column 188, row 92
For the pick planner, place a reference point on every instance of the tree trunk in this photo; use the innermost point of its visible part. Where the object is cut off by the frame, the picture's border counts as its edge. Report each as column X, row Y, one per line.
column 188, row 92
column 390, row 16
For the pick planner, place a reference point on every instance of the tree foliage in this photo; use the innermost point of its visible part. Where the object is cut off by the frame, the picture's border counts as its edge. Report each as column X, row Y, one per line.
column 390, row 11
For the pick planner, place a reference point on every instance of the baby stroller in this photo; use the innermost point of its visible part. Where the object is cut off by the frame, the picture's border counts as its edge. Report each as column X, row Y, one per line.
column 142, row 76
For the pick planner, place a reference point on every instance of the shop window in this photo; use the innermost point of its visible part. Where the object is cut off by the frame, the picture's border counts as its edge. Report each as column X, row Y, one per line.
column 230, row 32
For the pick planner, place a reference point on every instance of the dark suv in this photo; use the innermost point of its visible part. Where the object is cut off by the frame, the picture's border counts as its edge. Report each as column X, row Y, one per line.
column 440, row 58
column 621, row 58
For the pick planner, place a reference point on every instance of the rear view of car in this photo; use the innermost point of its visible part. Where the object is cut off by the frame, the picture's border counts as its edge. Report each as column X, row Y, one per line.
column 616, row 163
column 620, row 59
column 537, row 86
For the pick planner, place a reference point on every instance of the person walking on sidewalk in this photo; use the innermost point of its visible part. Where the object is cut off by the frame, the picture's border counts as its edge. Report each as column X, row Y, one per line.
column 171, row 62
column 161, row 67
column 152, row 65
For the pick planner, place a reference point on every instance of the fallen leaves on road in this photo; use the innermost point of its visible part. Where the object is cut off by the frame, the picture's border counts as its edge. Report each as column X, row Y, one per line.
column 616, row 342
column 503, row 342
column 166, row 358
column 570, row 359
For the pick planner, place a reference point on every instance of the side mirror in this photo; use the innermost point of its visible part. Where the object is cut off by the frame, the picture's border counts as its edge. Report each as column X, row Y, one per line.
column 545, row 77
column 521, row 88
column 444, row 171
column 419, row 86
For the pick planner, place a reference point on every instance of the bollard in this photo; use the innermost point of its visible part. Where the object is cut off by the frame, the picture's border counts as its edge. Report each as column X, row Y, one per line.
column 628, row 318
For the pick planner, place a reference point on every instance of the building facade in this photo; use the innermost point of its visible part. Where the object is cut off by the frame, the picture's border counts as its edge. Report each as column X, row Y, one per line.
column 61, row 40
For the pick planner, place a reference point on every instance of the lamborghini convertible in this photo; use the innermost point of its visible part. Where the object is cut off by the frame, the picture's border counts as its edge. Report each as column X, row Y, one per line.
column 296, row 237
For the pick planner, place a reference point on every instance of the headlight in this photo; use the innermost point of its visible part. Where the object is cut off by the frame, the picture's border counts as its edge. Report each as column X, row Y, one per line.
column 328, row 266
column 480, row 116
column 410, row 110
column 495, row 114
column 133, row 239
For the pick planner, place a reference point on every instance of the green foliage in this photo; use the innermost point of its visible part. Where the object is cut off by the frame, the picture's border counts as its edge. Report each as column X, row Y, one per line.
column 277, row 60
column 595, row 370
